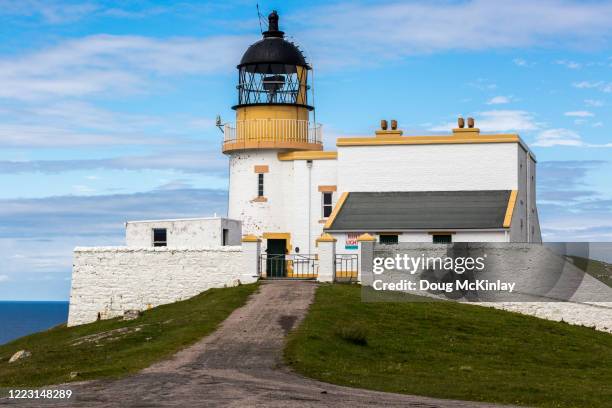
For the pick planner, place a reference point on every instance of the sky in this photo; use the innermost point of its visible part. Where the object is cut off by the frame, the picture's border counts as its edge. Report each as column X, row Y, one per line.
column 107, row 108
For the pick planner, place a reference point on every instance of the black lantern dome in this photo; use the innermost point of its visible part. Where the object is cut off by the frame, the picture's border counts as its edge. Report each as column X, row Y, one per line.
column 273, row 71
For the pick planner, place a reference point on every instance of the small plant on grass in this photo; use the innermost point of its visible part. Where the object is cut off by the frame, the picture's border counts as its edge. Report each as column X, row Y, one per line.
column 355, row 334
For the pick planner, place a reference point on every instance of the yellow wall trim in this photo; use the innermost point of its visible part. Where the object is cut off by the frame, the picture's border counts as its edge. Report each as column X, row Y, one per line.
column 336, row 210
column 365, row 237
column 279, row 235
column 510, row 209
column 326, row 238
column 250, row 238
column 264, row 168
column 246, row 145
column 312, row 155
column 327, row 189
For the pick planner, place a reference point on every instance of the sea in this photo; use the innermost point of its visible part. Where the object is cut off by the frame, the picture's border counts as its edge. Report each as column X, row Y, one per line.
column 19, row 319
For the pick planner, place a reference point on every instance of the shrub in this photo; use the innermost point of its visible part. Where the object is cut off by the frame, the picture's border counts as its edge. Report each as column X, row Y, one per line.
column 355, row 334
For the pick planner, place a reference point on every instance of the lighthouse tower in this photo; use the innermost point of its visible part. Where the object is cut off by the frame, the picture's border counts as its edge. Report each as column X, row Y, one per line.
column 272, row 117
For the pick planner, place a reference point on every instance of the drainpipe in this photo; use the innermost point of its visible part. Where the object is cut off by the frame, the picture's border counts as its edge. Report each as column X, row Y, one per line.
column 528, row 184
column 309, row 165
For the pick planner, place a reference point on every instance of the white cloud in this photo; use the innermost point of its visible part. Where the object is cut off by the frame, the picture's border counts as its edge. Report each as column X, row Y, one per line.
column 103, row 64
column 569, row 64
column 520, row 62
column 558, row 137
column 599, row 85
column 579, row 114
column 73, row 124
column 498, row 121
column 499, row 100
column 593, row 102
column 429, row 27
column 4, row 278
column 51, row 12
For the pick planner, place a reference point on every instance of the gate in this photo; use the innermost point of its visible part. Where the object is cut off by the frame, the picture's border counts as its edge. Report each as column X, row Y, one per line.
column 347, row 267
column 290, row 266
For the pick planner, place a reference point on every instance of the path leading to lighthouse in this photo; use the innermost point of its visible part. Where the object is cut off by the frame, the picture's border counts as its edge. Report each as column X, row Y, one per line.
column 239, row 365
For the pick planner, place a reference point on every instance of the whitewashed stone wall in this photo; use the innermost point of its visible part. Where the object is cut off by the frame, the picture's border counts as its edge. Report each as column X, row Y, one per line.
column 106, row 281
column 192, row 233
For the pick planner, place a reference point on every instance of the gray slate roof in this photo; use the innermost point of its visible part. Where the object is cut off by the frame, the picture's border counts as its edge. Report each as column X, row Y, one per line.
column 422, row 210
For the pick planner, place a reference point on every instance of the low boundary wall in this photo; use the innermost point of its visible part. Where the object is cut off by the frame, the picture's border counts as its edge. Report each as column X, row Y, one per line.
column 107, row 281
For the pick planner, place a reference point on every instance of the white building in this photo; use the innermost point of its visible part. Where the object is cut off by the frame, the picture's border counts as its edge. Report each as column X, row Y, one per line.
column 286, row 191
column 458, row 187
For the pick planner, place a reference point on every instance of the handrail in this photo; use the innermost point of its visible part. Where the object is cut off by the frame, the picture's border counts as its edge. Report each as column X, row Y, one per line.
column 273, row 130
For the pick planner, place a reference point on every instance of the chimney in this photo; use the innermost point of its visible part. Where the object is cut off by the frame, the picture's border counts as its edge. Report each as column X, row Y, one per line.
column 469, row 131
column 386, row 132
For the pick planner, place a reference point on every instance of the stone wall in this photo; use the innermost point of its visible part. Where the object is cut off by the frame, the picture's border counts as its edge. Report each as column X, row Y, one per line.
column 539, row 273
column 106, row 281
column 191, row 233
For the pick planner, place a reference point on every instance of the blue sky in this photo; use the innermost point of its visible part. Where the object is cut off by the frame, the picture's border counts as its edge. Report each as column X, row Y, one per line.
column 107, row 109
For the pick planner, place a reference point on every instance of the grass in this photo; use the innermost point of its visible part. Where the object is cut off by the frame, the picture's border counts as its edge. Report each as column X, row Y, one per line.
column 451, row 350
column 601, row 271
column 122, row 347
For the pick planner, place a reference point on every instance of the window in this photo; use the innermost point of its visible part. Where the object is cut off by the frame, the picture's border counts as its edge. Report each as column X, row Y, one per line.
column 224, row 237
column 160, row 237
column 260, row 185
column 327, row 204
column 388, row 239
column 442, row 238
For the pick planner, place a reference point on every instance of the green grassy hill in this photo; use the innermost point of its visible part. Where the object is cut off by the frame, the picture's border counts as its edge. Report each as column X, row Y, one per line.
column 601, row 271
column 451, row 350
column 113, row 348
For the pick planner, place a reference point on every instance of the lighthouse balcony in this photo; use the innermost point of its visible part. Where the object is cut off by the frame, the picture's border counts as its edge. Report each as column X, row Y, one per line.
column 290, row 134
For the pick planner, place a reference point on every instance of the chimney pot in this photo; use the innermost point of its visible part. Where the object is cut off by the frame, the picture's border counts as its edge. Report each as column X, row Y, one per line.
column 393, row 124
column 383, row 124
column 460, row 122
column 470, row 122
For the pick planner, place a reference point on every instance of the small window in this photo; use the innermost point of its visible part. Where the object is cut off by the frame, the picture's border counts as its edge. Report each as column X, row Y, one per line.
column 442, row 238
column 224, row 237
column 160, row 237
column 389, row 239
column 327, row 204
column 260, row 185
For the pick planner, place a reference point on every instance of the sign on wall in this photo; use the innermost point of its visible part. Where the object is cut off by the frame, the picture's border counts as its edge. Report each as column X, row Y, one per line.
column 351, row 240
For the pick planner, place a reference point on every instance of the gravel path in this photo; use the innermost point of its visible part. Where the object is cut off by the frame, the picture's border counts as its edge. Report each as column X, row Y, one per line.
column 239, row 365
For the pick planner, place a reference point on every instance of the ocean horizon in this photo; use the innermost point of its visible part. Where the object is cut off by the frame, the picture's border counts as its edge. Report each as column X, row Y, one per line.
column 20, row 318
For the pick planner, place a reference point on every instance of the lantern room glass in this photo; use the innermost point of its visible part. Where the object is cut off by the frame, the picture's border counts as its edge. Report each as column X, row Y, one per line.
column 273, row 84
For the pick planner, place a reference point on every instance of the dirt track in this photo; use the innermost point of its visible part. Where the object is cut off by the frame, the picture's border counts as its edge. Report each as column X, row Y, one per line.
column 240, row 365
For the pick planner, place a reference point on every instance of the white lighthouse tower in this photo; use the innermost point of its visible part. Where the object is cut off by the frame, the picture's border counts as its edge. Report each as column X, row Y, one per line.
column 272, row 117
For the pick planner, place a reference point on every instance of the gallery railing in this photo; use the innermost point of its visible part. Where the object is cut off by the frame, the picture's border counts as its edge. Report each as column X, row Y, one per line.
column 272, row 130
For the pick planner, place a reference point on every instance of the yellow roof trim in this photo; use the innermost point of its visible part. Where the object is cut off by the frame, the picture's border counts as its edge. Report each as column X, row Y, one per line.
column 308, row 155
column 510, row 208
column 336, row 210
column 424, row 140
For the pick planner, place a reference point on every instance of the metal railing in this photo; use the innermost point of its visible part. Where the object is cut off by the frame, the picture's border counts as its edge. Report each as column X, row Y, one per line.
column 272, row 130
column 290, row 266
column 347, row 267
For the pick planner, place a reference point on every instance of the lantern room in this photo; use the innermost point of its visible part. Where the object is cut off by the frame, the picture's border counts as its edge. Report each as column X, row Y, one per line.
column 274, row 97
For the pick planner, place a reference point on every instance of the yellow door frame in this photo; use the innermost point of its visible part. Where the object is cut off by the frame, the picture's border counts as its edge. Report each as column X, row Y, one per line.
column 287, row 237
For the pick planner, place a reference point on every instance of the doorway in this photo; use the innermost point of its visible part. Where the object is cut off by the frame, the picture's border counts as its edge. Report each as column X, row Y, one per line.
column 275, row 258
